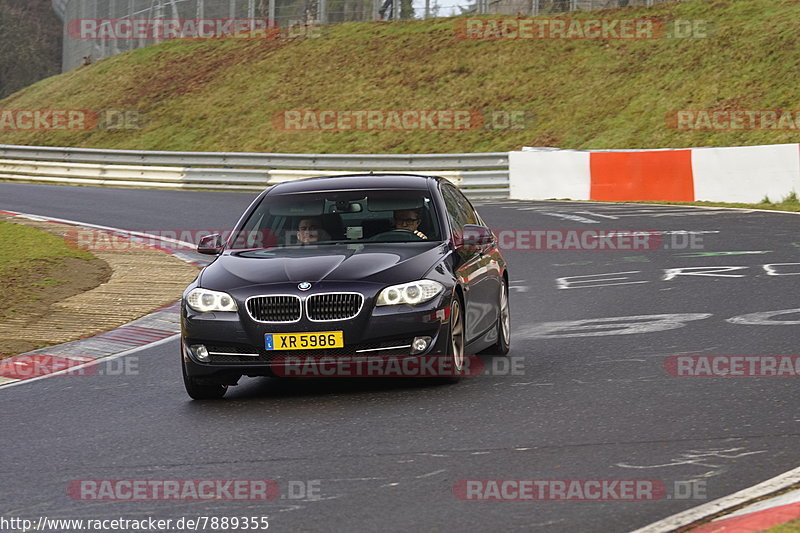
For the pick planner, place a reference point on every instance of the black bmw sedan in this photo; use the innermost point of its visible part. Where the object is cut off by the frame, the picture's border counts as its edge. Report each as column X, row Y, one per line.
column 345, row 268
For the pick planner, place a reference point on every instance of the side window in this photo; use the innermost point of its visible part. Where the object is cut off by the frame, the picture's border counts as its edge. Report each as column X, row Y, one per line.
column 472, row 215
column 459, row 209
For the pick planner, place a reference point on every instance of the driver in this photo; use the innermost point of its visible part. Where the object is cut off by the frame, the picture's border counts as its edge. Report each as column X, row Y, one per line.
column 409, row 220
column 310, row 230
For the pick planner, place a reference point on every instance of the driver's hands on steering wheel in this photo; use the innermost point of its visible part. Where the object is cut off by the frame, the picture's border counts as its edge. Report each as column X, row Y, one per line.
column 398, row 232
column 416, row 232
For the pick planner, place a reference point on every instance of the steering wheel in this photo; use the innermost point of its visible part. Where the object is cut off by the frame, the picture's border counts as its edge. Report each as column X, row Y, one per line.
column 396, row 235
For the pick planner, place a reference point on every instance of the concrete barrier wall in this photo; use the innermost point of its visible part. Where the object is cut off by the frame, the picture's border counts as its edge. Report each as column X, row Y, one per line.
column 746, row 173
column 736, row 174
column 542, row 174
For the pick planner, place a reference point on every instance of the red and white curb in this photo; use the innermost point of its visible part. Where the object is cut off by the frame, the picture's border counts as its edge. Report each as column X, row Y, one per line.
column 80, row 356
column 750, row 518
column 757, row 517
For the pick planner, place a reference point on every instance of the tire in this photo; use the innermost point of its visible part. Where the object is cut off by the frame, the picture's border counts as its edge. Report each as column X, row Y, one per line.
column 456, row 341
column 503, row 344
column 202, row 391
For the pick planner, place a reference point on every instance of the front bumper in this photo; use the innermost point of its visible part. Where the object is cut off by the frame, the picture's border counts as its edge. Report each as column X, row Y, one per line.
column 237, row 348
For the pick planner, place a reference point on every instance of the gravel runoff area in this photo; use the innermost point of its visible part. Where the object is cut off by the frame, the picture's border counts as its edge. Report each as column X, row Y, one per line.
column 142, row 280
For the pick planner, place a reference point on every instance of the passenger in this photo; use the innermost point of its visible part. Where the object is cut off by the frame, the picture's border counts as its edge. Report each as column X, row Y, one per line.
column 310, row 230
column 409, row 220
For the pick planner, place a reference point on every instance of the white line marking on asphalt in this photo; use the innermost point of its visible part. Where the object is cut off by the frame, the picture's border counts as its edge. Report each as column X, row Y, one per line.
column 597, row 327
column 564, row 283
column 429, row 474
column 596, row 214
column 764, row 318
column 574, row 218
column 518, row 288
column 698, row 457
column 291, row 508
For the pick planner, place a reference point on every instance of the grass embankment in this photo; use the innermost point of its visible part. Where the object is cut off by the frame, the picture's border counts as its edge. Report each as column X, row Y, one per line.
column 38, row 269
column 789, row 527
column 22, row 248
column 584, row 94
column 789, row 203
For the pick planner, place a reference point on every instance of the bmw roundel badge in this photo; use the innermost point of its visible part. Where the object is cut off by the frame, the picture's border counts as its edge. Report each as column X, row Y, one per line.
column 304, row 286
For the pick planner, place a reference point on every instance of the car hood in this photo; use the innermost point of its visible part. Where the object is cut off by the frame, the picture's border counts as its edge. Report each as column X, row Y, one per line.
column 372, row 262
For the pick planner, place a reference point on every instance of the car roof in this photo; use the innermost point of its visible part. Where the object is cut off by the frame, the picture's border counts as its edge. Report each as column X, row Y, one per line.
column 354, row 182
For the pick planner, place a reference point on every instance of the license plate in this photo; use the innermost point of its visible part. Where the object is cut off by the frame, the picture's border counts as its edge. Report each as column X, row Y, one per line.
column 304, row 341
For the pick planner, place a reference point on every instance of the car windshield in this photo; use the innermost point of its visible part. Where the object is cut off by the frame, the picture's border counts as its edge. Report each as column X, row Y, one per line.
column 332, row 217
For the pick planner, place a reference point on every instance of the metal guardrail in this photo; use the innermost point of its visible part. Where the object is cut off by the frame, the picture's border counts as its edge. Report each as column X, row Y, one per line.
column 479, row 175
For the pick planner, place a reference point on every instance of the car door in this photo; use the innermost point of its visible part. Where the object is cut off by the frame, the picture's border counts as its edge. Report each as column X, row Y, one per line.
column 476, row 270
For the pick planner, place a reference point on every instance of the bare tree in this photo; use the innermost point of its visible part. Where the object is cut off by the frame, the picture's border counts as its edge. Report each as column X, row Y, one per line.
column 30, row 47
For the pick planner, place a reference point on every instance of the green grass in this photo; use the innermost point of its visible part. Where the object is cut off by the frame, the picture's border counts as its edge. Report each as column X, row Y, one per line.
column 581, row 94
column 22, row 245
column 789, row 527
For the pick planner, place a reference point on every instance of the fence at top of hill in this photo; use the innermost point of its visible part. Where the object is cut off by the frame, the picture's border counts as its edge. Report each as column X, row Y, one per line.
column 294, row 16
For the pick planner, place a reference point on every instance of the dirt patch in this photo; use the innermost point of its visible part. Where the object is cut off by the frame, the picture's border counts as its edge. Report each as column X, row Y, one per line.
column 29, row 292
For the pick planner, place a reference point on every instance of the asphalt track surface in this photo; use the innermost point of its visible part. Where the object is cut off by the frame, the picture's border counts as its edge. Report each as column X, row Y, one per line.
column 387, row 454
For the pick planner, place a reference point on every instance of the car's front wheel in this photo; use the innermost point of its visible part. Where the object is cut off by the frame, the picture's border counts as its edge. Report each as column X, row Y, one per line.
column 456, row 345
column 199, row 390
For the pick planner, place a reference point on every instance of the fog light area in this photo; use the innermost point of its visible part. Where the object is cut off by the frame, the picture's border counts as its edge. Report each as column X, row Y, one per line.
column 200, row 352
column 420, row 344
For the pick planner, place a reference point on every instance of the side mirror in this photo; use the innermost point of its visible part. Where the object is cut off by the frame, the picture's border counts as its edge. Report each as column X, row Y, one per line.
column 210, row 244
column 474, row 237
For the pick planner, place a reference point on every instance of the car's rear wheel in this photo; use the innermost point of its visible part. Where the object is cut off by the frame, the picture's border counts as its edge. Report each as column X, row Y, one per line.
column 199, row 390
column 503, row 344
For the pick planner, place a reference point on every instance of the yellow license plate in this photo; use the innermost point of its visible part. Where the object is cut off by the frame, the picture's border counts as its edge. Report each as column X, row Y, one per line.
column 304, row 341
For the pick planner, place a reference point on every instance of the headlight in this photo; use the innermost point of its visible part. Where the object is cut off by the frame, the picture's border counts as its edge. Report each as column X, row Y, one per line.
column 205, row 301
column 412, row 293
